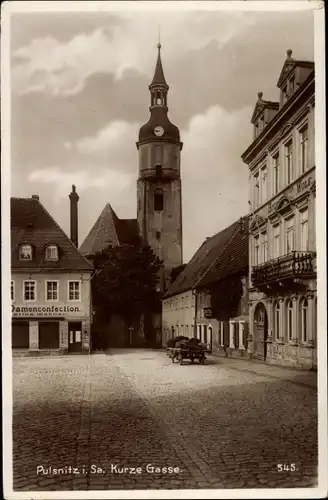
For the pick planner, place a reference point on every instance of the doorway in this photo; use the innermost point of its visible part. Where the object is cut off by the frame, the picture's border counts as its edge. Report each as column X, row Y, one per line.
column 260, row 332
column 75, row 337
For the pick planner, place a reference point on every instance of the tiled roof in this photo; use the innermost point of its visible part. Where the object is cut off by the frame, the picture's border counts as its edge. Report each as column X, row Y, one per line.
column 31, row 223
column 224, row 253
column 110, row 230
column 159, row 78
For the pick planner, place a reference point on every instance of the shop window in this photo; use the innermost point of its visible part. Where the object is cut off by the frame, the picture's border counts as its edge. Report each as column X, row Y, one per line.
column 49, row 335
column 20, row 337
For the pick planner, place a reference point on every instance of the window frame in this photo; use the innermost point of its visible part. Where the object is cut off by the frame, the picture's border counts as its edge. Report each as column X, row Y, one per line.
column 304, row 331
column 35, row 290
column 257, row 250
column 51, row 259
column 288, row 161
column 264, row 239
column 20, row 250
column 276, row 319
column 264, row 182
column 290, row 319
column 68, row 290
column 158, row 192
column 302, row 224
column 287, row 230
column 276, row 237
column 276, row 172
column 46, row 290
column 256, row 189
column 304, row 165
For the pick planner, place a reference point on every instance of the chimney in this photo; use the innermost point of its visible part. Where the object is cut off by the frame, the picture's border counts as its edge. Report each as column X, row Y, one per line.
column 74, row 197
column 35, row 197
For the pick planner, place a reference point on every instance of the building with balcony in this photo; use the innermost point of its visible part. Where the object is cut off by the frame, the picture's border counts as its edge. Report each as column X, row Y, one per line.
column 282, row 241
column 50, row 283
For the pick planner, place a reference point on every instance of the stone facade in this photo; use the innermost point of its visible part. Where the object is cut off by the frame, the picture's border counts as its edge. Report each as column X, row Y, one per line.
column 282, row 242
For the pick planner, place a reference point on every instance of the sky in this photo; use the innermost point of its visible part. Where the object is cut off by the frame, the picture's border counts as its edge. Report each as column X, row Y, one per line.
column 79, row 94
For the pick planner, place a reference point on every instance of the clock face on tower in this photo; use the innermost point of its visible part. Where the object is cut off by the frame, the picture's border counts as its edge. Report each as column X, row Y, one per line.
column 158, row 131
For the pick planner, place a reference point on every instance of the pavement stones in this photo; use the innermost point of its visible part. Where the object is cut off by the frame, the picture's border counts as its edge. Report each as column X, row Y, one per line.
column 219, row 426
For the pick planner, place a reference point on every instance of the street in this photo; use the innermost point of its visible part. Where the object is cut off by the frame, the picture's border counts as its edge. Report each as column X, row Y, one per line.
column 133, row 420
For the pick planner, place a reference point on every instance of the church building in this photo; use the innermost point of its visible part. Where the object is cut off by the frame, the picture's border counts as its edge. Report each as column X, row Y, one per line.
column 159, row 211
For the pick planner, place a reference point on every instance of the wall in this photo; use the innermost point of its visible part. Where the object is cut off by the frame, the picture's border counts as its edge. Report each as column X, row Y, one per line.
column 42, row 309
column 178, row 312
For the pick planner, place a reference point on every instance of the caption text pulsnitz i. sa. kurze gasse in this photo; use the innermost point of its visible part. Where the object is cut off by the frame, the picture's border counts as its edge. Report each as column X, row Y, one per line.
column 42, row 470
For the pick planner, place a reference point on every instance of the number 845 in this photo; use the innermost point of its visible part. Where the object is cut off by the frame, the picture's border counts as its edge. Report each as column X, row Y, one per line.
column 286, row 467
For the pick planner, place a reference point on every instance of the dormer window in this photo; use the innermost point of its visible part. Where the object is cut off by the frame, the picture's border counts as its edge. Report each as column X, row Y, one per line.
column 25, row 252
column 51, row 252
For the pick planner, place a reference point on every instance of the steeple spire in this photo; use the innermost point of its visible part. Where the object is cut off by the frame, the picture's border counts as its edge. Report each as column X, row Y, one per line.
column 159, row 78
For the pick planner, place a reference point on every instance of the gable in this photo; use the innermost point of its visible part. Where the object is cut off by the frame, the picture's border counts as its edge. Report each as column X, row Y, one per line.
column 110, row 230
column 31, row 223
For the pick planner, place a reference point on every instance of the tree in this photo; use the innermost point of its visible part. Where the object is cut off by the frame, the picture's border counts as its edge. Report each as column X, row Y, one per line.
column 125, row 281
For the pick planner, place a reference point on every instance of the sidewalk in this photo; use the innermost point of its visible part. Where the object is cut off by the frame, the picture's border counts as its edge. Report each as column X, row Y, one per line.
column 299, row 376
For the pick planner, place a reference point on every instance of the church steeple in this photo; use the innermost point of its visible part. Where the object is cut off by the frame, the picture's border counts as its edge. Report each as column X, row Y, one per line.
column 158, row 126
column 158, row 87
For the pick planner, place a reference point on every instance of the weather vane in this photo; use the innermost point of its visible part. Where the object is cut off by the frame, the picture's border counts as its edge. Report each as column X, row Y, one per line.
column 159, row 37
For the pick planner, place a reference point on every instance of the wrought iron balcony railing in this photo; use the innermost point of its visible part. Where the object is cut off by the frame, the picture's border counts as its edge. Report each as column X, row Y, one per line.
column 293, row 265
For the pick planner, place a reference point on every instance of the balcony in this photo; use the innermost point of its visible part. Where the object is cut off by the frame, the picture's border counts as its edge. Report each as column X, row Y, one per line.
column 293, row 266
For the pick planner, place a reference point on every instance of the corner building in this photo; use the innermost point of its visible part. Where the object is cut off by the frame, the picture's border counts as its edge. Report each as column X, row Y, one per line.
column 50, row 284
column 282, row 242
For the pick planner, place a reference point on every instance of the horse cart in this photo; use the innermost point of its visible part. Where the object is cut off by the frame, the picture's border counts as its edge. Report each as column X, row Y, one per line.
column 184, row 348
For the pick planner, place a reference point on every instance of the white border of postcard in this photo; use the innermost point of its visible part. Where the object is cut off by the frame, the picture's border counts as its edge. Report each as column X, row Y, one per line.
column 65, row 6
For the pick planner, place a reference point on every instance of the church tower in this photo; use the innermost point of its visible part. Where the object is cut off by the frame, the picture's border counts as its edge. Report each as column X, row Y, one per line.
column 159, row 182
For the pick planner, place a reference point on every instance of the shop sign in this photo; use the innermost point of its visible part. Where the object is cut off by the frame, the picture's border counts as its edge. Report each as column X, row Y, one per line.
column 296, row 189
column 44, row 310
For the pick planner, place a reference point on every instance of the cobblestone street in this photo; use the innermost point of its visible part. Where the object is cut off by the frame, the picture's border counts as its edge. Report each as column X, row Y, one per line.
column 222, row 425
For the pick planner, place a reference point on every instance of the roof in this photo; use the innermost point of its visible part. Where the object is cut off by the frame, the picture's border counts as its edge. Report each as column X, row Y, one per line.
column 290, row 64
column 158, row 116
column 31, row 223
column 110, row 230
column 262, row 104
column 159, row 78
column 220, row 255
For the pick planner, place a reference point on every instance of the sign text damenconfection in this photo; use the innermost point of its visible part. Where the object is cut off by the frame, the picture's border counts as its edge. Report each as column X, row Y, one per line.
column 43, row 310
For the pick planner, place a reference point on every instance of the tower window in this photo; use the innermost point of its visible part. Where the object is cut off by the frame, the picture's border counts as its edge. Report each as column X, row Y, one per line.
column 158, row 235
column 158, row 170
column 158, row 97
column 158, row 200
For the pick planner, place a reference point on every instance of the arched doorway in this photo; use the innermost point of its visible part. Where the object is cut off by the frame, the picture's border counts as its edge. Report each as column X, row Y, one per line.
column 260, row 332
